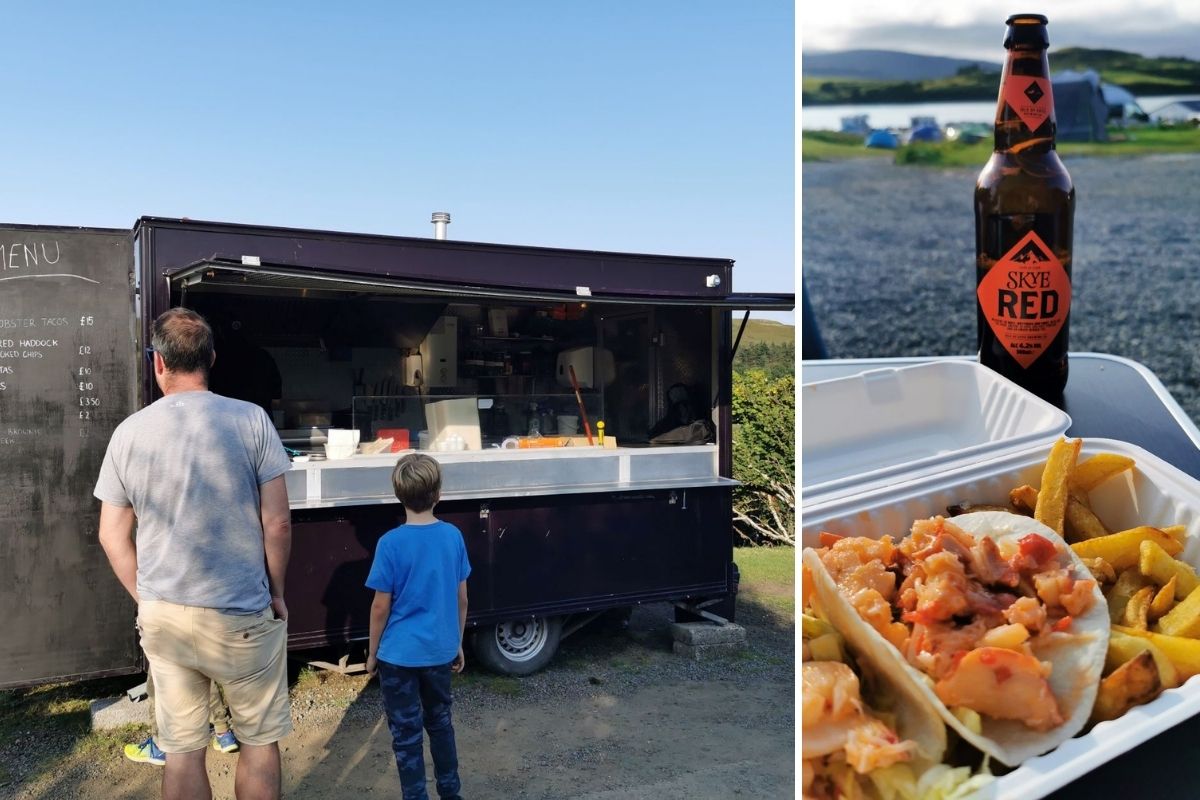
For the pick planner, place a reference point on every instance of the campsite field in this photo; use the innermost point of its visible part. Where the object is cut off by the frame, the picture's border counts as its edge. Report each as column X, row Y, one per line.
column 888, row 253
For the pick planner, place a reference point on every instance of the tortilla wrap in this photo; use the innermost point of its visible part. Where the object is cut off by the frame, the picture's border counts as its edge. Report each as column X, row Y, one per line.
column 1077, row 656
column 915, row 719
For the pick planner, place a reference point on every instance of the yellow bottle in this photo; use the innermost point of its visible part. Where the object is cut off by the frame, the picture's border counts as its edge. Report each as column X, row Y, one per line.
column 600, row 432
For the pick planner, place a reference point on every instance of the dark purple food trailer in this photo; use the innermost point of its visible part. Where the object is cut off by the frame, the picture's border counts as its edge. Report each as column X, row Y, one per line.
column 500, row 361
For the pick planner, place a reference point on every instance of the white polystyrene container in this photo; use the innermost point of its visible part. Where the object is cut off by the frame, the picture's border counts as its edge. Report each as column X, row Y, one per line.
column 885, row 425
column 1153, row 493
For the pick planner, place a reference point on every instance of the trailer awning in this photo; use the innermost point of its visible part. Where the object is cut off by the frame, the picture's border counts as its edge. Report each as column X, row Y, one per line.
column 221, row 275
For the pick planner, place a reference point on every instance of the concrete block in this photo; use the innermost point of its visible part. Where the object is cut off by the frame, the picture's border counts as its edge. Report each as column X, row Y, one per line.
column 114, row 712
column 704, row 652
column 707, row 633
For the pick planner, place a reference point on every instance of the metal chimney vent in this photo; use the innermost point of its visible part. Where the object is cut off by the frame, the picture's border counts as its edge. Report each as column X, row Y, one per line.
column 440, row 220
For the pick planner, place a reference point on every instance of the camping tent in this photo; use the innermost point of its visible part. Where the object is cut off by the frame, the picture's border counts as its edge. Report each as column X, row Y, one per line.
column 1122, row 105
column 925, row 133
column 1079, row 107
column 882, row 138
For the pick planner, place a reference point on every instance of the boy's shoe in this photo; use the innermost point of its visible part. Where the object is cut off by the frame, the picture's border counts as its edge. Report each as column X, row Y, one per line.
column 146, row 753
column 225, row 742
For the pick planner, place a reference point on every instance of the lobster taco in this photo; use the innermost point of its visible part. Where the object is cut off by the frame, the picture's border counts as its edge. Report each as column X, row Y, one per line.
column 865, row 733
column 989, row 616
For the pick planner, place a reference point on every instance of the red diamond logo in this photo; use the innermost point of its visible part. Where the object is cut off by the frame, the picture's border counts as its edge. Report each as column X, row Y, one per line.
column 1029, row 98
column 1025, row 298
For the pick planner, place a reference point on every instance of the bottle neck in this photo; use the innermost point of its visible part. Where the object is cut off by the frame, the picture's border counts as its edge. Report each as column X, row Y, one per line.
column 1025, row 121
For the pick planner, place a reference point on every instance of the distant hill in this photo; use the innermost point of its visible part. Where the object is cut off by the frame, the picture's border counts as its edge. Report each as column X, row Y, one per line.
column 887, row 65
column 1144, row 77
column 767, row 331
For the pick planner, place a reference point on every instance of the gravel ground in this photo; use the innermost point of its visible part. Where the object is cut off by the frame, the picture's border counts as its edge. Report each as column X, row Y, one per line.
column 888, row 260
column 616, row 716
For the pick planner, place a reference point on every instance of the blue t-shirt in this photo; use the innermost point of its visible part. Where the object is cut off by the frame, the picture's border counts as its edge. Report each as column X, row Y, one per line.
column 421, row 566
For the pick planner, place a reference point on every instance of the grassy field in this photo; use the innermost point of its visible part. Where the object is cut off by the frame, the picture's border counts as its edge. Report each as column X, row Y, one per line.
column 768, row 577
column 834, row 146
column 829, row 146
column 767, row 331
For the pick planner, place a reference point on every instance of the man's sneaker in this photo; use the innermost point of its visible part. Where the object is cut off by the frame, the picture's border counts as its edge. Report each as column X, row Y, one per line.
column 225, row 742
column 146, row 753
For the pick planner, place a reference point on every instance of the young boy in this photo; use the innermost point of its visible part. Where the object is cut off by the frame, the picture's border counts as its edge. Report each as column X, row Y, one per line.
column 417, row 619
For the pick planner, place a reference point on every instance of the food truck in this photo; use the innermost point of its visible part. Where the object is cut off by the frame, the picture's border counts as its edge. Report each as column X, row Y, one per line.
column 578, row 403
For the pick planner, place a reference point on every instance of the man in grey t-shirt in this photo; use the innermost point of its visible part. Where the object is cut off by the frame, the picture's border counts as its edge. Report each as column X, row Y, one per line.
column 203, row 478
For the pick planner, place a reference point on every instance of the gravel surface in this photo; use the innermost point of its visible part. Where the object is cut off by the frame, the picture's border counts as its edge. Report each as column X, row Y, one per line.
column 615, row 715
column 888, row 260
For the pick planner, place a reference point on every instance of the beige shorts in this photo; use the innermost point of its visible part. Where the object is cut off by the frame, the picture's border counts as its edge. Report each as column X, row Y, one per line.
column 189, row 647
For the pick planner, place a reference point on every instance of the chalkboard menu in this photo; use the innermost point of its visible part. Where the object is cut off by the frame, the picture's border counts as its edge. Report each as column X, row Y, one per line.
column 67, row 377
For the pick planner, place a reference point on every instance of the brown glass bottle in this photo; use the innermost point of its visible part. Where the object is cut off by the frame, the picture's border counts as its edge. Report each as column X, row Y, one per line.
column 1024, row 211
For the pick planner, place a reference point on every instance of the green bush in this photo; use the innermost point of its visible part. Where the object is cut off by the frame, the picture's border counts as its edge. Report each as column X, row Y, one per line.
column 764, row 457
column 776, row 360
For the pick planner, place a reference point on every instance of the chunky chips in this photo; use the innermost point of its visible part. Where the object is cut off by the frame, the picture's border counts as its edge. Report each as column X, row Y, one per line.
column 1153, row 595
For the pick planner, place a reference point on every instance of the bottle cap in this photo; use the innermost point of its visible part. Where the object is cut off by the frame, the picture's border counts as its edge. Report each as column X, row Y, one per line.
column 1026, row 31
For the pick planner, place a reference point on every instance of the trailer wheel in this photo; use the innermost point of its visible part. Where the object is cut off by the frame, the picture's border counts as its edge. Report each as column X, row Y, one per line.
column 518, row 646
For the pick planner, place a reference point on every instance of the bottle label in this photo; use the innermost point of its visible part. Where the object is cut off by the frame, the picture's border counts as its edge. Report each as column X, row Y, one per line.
column 1030, row 98
column 1025, row 298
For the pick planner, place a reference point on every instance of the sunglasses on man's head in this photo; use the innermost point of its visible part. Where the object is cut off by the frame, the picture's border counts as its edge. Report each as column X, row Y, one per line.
column 150, row 354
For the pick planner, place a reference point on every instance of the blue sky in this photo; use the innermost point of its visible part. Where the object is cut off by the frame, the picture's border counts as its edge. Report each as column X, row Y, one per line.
column 664, row 126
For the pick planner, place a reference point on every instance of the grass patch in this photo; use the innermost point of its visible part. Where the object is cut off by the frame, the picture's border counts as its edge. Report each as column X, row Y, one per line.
column 945, row 154
column 308, row 679
column 767, row 565
column 1138, row 142
column 835, row 146
column 1122, row 142
column 768, row 577
column 54, row 707
column 59, row 713
column 108, row 744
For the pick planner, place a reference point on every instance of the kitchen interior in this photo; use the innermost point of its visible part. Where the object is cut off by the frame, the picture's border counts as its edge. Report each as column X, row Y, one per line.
column 345, row 375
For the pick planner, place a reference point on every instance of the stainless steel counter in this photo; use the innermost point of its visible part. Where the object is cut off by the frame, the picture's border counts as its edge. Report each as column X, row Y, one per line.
column 480, row 474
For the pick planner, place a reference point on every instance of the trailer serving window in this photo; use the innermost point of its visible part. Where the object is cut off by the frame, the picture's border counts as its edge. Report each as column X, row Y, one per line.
column 394, row 357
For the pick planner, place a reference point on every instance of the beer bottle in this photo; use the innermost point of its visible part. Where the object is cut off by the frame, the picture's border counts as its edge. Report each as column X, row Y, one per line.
column 1024, row 209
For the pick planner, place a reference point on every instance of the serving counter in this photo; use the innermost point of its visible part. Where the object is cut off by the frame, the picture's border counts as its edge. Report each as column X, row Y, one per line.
column 494, row 473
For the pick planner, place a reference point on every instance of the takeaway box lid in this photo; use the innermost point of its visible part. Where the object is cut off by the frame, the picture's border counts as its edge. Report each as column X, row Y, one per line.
column 889, row 425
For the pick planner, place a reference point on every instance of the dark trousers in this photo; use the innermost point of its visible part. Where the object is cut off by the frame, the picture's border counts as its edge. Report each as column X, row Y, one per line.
column 416, row 697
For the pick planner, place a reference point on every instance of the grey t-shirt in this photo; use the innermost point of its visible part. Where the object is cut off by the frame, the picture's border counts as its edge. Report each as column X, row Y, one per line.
column 191, row 464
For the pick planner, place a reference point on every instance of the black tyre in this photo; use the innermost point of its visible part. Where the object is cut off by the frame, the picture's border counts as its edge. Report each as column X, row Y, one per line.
column 517, row 647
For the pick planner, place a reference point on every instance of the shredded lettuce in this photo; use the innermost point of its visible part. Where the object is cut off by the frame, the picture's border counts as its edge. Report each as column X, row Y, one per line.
column 896, row 782
column 940, row 782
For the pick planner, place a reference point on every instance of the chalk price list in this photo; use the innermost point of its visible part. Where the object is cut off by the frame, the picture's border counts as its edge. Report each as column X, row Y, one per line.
column 89, row 399
column 33, row 339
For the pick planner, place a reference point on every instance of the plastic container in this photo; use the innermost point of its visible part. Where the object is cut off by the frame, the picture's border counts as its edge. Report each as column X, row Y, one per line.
column 1153, row 493
column 885, row 425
